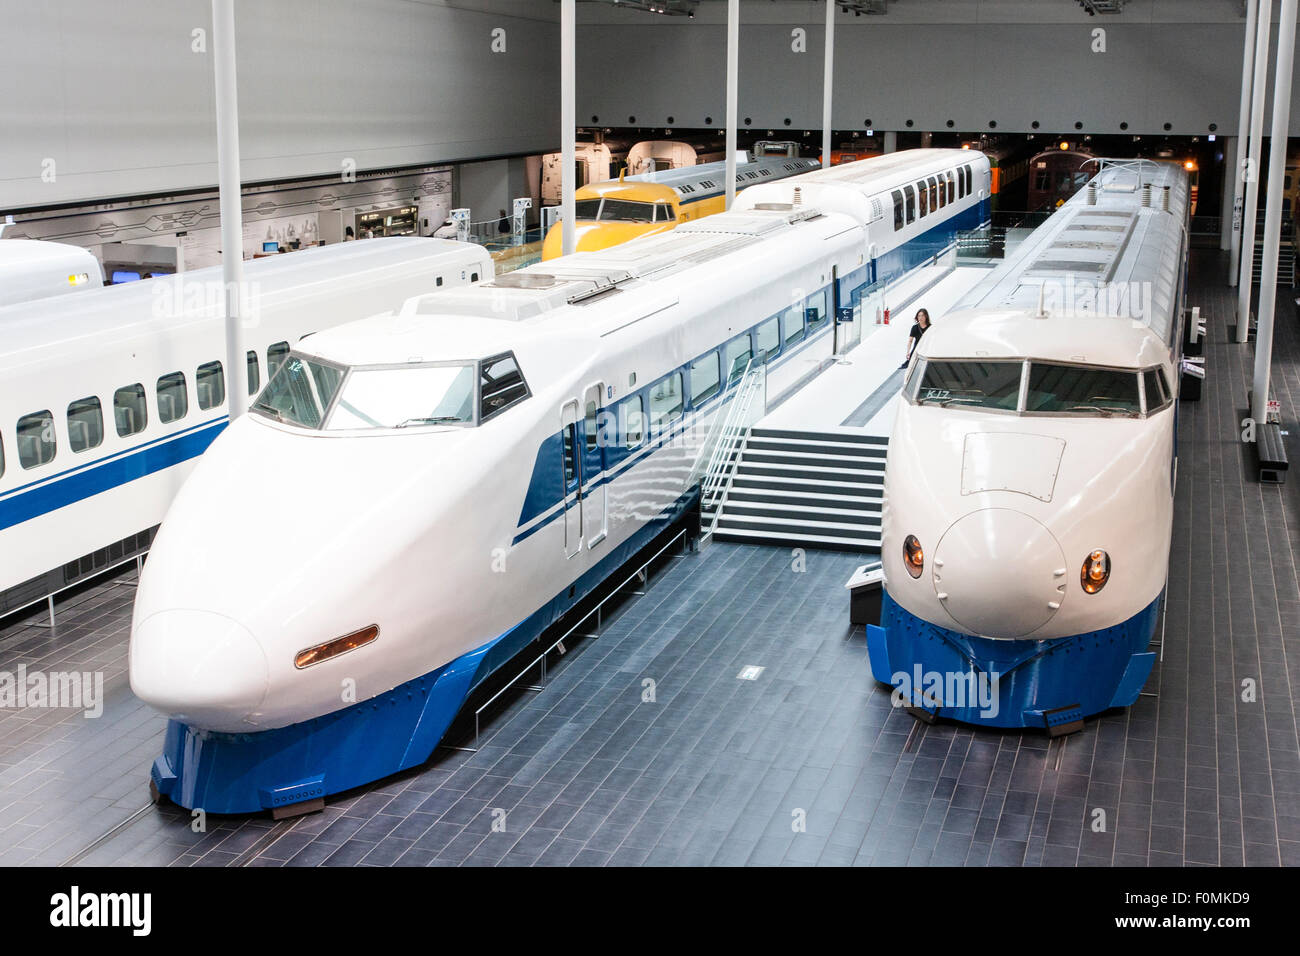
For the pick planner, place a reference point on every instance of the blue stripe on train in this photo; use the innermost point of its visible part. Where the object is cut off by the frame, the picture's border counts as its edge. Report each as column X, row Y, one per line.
column 246, row 773
column 105, row 474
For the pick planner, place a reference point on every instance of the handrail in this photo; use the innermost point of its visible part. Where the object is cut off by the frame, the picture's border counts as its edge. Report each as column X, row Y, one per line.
column 716, row 486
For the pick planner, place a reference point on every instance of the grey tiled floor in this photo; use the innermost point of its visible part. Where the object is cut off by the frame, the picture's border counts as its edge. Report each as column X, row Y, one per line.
column 710, row 769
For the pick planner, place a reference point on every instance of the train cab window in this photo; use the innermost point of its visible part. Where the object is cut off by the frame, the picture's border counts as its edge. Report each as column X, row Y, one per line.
column 768, row 339
column 85, row 424
column 706, row 378
column 923, row 206
column 960, row 383
column 1153, row 385
column 275, row 356
column 665, row 401
column 586, row 209
column 934, row 193
column 815, row 312
column 129, row 411
column 254, row 374
column 36, row 441
column 738, row 354
column 473, row 277
column 664, row 212
column 173, row 402
column 793, row 318
column 501, row 385
column 626, row 210
column 210, row 383
column 970, row 182
column 897, row 196
column 631, row 421
column 1081, row 390
column 948, row 180
column 910, row 203
column 591, row 425
column 437, row 281
column 961, row 185
column 405, row 396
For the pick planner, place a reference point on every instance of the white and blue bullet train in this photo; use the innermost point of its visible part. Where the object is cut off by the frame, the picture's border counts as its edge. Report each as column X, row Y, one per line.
column 108, row 397
column 1030, row 479
column 447, row 481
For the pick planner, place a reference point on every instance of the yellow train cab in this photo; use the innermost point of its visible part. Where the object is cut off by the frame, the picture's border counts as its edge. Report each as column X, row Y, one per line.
column 608, row 213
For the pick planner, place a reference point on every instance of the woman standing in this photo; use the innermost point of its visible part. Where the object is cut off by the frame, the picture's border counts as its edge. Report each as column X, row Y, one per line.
column 914, row 337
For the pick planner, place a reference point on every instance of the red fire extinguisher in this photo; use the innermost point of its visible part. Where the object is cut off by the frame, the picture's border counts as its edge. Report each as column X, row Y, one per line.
column 886, row 316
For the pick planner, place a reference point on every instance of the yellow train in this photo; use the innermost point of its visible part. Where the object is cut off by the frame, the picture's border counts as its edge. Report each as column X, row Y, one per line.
column 621, row 209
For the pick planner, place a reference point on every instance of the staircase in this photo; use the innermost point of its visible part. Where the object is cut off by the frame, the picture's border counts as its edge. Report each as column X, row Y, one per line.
column 1285, row 263
column 813, row 488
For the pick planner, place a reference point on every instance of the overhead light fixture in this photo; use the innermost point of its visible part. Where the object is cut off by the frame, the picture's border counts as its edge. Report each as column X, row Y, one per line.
column 1094, row 7
column 665, row 8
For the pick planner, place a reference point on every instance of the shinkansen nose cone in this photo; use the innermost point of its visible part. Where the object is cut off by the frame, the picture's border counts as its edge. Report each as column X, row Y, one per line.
column 999, row 573
column 197, row 666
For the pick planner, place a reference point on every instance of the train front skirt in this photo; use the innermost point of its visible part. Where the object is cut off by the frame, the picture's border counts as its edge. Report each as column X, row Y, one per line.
column 1048, row 684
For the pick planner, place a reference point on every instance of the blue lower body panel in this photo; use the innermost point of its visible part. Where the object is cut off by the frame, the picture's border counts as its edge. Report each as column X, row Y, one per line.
column 1010, row 683
column 399, row 729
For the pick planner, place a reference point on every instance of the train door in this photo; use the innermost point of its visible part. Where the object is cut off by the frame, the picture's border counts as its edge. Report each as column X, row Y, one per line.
column 570, row 477
column 593, row 451
column 843, row 312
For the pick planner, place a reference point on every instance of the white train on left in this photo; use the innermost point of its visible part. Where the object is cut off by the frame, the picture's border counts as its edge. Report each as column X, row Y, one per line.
column 445, row 482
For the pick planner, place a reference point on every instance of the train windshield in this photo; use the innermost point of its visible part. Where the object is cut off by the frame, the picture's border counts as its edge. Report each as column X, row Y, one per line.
column 406, row 396
column 627, row 210
column 1077, row 389
column 586, row 209
column 300, row 392
column 967, row 382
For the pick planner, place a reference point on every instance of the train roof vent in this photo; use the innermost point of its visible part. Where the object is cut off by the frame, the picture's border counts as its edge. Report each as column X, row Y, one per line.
column 522, row 280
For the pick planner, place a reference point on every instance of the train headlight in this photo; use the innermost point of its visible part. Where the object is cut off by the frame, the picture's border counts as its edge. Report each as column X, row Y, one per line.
column 913, row 556
column 1095, row 572
column 340, row 645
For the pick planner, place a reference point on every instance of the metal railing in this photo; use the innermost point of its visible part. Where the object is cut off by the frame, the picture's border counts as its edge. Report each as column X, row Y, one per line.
column 638, row 574
column 733, row 434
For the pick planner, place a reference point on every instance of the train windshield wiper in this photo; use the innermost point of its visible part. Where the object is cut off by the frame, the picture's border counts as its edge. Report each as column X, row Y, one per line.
column 438, row 420
column 1103, row 412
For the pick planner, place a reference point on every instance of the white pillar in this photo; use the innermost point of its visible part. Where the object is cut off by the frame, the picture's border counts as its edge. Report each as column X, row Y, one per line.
column 1226, row 199
column 568, row 124
column 1273, row 210
column 828, row 73
column 733, row 79
column 232, row 223
column 1243, row 131
column 891, row 142
column 1247, row 265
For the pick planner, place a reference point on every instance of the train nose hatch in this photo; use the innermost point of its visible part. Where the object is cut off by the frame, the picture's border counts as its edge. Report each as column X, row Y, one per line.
column 999, row 573
column 198, row 666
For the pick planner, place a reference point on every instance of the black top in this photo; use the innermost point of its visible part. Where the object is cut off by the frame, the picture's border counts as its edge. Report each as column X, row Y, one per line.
column 917, row 331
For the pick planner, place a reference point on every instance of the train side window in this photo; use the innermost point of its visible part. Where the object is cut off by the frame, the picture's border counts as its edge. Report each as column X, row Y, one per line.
column 85, row 424
column 970, row 181
column 130, row 413
column 961, row 185
column 591, row 425
column 794, row 320
column 501, row 385
column 173, row 402
column 815, row 310
column 910, row 193
column 254, row 374
column 473, row 277
column 438, row 281
column 210, row 383
column 666, row 401
column 952, row 194
column 923, row 194
column 738, row 353
column 275, row 356
column 768, row 338
column 36, row 441
column 898, row 209
column 934, row 193
column 631, row 420
column 664, row 213
column 1155, row 393
column 706, row 378
column 570, row 458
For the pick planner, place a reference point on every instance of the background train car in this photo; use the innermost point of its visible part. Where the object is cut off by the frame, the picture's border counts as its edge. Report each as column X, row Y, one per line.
column 657, row 155
column 108, row 397
column 1057, row 174
column 612, row 212
column 1008, row 166
column 848, row 154
column 592, row 164
column 34, row 269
